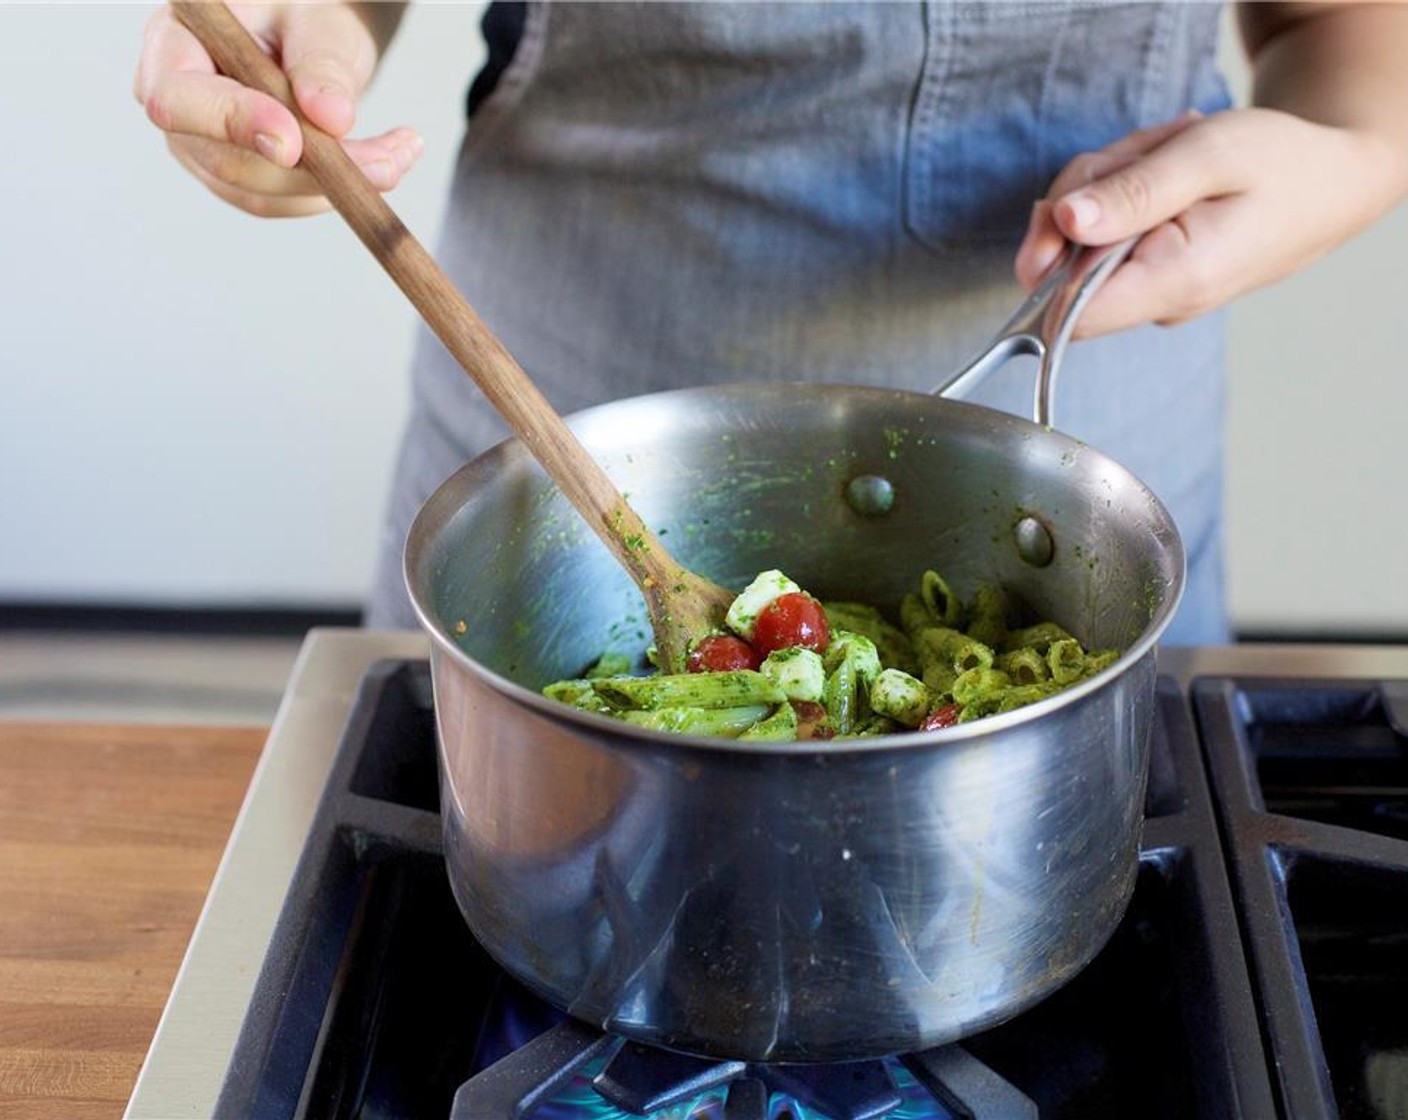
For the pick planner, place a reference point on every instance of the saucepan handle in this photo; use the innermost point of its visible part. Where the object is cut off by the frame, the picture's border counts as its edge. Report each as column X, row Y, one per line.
column 1042, row 325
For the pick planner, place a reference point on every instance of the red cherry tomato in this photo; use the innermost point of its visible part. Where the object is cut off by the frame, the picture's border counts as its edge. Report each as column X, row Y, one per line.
column 944, row 716
column 720, row 653
column 794, row 619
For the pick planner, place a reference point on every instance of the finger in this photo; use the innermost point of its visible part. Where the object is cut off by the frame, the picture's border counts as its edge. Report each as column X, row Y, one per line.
column 259, row 204
column 1148, row 191
column 1045, row 240
column 1180, row 269
column 383, row 159
column 329, row 55
column 239, row 168
column 386, row 158
column 1041, row 246
column 177, row 84
column 167, row 47
column 219, row 108
column 1087, row 167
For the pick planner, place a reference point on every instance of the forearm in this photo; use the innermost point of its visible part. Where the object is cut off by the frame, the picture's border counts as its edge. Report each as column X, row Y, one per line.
column 1340, row 65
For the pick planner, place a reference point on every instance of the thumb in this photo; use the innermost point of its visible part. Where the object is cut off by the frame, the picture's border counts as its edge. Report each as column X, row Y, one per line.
column 329, row 56
column 1140, row 194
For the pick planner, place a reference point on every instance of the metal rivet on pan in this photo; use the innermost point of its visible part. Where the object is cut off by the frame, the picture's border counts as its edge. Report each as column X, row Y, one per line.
column 1034, row 543
column 870, row 495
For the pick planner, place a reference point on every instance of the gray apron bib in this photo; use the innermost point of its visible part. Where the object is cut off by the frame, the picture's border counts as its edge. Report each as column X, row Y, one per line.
column 661, row 195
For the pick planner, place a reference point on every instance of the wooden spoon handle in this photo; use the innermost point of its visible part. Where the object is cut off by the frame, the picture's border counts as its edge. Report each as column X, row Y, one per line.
column 440, row 303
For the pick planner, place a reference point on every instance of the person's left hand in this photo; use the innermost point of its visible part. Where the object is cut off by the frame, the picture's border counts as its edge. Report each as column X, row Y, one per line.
column 1226, row 203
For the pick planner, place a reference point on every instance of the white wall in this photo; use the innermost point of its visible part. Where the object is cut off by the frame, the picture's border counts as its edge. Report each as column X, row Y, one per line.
column 200, row 407
column 1318, row 461
column 195, row 406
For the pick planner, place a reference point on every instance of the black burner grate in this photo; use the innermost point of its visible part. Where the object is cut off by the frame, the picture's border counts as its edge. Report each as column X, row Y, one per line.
column 1312, row 788
column 536, row 1082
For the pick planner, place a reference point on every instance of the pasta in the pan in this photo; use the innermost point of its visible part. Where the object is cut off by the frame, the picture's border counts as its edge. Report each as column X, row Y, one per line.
column 792, row 668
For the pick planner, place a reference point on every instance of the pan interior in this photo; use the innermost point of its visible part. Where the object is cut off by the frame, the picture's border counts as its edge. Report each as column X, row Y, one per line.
column 741, row 479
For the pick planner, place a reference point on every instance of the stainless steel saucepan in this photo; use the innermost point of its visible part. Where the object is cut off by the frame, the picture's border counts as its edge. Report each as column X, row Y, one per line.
column 813, row 901
column 772, row 902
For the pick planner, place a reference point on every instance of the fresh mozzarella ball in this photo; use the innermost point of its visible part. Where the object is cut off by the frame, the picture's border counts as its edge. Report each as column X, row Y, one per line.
column 797, row 671
column 752, row 599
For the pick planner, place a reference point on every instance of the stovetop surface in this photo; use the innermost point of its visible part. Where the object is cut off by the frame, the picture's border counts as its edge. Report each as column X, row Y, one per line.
column 1261, row 970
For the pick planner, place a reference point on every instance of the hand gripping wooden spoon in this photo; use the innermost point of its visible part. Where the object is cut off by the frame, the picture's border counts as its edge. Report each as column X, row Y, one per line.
column 683, row 606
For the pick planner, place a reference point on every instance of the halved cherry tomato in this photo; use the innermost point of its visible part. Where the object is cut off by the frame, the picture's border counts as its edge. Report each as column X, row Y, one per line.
column 794, row 619
column 720, row 653
column 944, row 716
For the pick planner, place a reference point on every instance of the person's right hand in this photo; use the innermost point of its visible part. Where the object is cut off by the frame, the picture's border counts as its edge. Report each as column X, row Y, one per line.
column 244, row 145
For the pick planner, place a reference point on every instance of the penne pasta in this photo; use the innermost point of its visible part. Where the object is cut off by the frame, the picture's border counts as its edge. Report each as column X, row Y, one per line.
column 846, row 670
column 899, row 696
column 1024, row 666
column 689, row 690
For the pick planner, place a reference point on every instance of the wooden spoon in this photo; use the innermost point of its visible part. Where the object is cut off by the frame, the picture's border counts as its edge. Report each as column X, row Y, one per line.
column 683, row 606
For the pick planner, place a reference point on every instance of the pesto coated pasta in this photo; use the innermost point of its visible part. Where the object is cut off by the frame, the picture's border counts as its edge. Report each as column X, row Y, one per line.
column 792, row 668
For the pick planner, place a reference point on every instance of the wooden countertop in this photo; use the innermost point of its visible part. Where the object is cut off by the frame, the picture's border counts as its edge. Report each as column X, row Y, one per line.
column 109, row 838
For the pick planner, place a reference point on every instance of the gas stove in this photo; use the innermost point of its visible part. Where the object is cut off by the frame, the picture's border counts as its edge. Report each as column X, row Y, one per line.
column 1261, row 970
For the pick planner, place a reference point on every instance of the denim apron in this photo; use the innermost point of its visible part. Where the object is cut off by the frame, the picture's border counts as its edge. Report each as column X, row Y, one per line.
column 657, row 195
